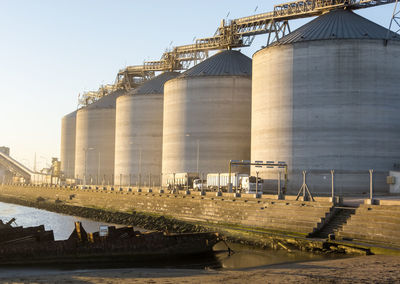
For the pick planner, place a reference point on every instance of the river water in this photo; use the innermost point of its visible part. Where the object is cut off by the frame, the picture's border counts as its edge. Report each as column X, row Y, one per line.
column 63, row 225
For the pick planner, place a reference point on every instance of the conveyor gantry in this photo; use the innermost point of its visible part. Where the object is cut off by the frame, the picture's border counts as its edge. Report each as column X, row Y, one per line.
column 237, row 33
column 241, row 32
column 15, row 167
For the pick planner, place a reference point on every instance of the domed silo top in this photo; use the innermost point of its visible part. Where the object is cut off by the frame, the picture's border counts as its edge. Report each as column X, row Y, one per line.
column 155, row 85
column 107, row 101
column 338, row 24
column 225, row 63
column 70, row 115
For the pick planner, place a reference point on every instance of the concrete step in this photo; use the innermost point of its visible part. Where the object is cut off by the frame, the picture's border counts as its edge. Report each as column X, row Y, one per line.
column 374, row 212
column 294, row 222
column 290, row 228
column 295, row 215
column 335, row 222
column 376, row 219
column 370, row 237
column 376, row 228
column 391, row 208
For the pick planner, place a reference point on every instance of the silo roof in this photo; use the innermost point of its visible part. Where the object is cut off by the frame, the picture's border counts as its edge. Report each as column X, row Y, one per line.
column 72, row 114
column 108, row 101
column 155, row 85
column 225, row 63
column 337, row 24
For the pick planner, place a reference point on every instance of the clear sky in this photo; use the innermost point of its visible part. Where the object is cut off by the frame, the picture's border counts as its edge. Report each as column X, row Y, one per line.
column 52, row 50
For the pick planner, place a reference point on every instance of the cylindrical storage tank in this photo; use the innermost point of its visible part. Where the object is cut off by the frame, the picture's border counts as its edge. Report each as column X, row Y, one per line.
column 207, row 114
column 326, row 97
column 138, row 134
column 67, row 155
column 2, row 174
column 95, row 140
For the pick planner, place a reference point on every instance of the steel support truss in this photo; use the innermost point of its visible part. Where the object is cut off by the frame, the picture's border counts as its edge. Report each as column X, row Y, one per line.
column 236, row 33
column 395, row 20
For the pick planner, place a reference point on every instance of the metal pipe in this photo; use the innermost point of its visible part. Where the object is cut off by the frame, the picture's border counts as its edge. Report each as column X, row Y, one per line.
column 229, row 177
column 333, row 183
column 279, row 184
column 256, row 183
column 149, row 180
column 98, row 168
column 219, row 182
column 198, row 156
column 371, row 172
column 173, row 188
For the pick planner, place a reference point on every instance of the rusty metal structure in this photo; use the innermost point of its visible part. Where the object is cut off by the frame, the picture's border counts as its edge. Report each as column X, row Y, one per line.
column 230, row 34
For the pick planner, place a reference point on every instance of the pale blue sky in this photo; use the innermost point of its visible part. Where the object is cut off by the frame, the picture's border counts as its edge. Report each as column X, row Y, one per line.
column 52, row 50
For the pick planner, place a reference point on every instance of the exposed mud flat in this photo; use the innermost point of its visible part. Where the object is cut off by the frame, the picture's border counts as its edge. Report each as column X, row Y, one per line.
column 366, row 269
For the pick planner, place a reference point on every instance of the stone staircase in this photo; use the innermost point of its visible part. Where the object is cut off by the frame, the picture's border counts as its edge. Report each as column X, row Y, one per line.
column 378, row 224
column 338, row 219
column 291, row 217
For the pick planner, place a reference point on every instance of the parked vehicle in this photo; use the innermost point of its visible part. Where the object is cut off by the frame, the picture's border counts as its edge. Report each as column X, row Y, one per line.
column 236, row 180
column 249, row 185
column 181, row 180
column 199, row 184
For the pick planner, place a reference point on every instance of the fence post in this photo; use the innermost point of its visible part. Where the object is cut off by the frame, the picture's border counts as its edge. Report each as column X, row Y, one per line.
column 257, row 183
column 279, row 185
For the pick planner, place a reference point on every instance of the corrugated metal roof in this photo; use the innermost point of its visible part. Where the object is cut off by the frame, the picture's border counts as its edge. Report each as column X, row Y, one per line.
column 155, row 85
column 337, row 24
column 108, row 101
column 225, row 63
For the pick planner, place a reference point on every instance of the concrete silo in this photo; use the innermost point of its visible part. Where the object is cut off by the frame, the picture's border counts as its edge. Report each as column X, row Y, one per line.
column 95, row 140
column 207, row 113
column 138, row 136
column 67, row 155
column 327, row 97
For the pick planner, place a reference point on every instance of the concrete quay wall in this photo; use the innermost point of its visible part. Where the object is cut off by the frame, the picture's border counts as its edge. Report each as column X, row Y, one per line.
column 377, row 224
column 284, row 216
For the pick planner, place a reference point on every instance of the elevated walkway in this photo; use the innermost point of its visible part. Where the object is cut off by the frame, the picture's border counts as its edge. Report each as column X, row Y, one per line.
column 16, row 167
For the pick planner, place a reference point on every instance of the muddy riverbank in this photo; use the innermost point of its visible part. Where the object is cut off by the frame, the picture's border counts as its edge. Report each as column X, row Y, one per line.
column 366, row 269
column 234, row 234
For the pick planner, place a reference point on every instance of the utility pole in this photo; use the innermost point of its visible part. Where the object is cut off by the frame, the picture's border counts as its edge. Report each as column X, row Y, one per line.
column 198, row 156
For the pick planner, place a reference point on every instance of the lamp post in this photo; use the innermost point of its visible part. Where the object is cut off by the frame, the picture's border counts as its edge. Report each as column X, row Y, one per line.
column 198, row 154
column 140, row 168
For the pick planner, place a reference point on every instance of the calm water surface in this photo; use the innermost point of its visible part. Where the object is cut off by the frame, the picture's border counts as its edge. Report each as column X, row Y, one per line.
column 63, row 225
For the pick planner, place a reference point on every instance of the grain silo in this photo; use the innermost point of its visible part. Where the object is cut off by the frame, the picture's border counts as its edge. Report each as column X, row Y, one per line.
column 138, row 134
column 67, row 155
column 95, row 140
column 207, row 113
column 326, row 97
